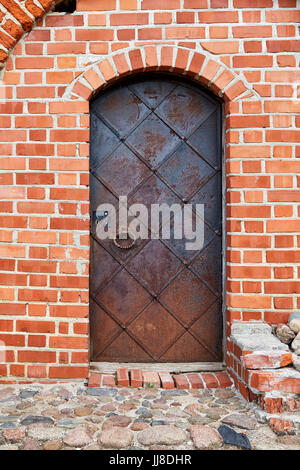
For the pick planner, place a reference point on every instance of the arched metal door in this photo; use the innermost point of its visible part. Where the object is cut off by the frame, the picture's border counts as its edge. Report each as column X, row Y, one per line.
column 156, row 139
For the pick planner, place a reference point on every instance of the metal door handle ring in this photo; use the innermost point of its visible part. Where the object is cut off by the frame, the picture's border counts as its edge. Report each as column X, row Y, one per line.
column 128, row 235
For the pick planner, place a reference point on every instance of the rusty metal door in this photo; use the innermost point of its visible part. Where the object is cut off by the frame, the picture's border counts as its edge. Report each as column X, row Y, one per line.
column 156, row 139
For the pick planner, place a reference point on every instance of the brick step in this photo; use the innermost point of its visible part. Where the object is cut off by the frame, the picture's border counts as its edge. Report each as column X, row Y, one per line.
column 284, row 403
column 266, row 359
column 255, row 347
column 138, row 378
column 260, row 367
column 275, row 391
column 286, row 380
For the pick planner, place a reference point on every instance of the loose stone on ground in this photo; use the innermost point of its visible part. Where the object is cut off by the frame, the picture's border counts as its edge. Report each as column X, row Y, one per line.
column 162, row 435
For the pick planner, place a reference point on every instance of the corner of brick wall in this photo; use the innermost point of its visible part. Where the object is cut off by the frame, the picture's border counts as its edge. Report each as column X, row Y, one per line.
column 267, row 380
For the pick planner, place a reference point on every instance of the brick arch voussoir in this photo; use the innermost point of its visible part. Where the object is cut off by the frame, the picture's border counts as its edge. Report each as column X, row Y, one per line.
column 26, row 14
column 200, row 67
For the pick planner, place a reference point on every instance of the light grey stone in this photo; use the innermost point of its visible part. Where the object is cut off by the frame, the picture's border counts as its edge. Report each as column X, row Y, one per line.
column 294, row 324
column 296, row 343
column 10, row 418
column 240, row 421
column 225, row 393
column 146, row 403
column 260, row 415
column 285, row 334
column 145, row 412
column 205, row 437
column 176, row 412
column 162, row 435
column 256, row 337
column 42, row 433
column 251, row 328
column 296, row 362
column 67, row 423
column 78, row 437
column 173, row 393
column 102, row 392
column 199, row 420
column 116, row 438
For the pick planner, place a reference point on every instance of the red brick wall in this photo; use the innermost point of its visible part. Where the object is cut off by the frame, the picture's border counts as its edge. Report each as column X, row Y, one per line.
column 244, row 50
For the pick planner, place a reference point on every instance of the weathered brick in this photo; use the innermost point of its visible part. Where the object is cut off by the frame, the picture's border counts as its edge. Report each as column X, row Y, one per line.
column 94, row 380
column 181, row 381
column 122, row 378
column 195, row 380
column 267, row 360
column 136, row 378
column 151, row 378
column 167, row 381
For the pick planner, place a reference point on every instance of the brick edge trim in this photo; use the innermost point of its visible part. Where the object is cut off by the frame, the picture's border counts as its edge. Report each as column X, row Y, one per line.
column 138, row 378
column 200, row 67
column 25, row 18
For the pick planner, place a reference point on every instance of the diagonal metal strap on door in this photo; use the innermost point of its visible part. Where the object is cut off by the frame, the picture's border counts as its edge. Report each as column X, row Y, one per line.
column 155, row 140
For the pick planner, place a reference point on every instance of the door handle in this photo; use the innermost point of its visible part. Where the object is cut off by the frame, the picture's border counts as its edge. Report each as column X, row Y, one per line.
column 97, row 217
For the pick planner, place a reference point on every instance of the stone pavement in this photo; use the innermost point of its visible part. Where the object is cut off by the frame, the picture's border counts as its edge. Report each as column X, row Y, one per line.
column 72, row 416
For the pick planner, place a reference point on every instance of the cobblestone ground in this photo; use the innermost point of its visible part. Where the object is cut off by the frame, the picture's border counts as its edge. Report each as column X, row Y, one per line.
column 71, row 416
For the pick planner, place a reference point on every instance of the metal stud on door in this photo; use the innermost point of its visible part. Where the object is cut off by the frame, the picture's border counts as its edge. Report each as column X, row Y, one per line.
column 156, row 139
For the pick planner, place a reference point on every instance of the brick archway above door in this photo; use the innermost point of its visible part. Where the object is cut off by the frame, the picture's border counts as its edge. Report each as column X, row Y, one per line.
column 202, row 68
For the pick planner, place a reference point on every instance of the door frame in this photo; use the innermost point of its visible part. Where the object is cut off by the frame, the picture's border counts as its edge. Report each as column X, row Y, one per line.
column 111, row 367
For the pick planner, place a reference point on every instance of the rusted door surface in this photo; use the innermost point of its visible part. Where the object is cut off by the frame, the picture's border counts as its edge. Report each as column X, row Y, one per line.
column 155, row 140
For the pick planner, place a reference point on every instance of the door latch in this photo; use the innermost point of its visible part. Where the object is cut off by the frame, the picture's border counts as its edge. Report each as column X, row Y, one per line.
column 99, row 216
